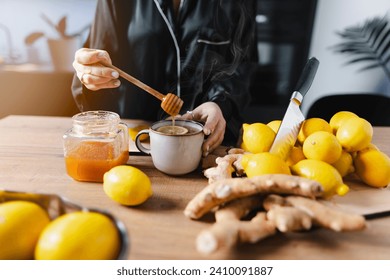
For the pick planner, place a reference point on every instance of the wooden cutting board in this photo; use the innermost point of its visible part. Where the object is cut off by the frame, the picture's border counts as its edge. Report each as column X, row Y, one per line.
column 362, row 199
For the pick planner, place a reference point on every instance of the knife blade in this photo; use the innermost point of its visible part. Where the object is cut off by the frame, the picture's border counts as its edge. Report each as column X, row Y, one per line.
column 291, row 123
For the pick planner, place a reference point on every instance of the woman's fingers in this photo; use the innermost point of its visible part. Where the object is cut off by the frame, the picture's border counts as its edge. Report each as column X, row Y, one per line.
column 93, row 75
column 95, row 83
column 215, row 138
column 98, row 77
column 91, row 56
column 214, row 124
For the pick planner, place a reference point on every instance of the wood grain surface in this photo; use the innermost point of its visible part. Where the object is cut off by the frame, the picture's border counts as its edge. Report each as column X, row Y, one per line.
column 31, row 160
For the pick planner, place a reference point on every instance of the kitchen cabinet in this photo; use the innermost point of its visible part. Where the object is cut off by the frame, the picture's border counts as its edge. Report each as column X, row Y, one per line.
column 27, row 89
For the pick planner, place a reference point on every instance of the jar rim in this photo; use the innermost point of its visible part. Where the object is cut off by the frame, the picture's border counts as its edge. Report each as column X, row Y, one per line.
column 95, row 115
column 96, row 122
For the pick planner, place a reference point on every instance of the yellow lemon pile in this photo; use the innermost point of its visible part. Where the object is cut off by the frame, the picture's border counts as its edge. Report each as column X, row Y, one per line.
column 324, row 151
column 325, row 174
column 27, row 232
column 264, row 163
column 373, row 167
column 322, row 145
column 312, row 125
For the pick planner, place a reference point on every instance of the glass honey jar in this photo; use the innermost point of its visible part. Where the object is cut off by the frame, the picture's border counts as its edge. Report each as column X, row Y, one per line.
column 97, row 141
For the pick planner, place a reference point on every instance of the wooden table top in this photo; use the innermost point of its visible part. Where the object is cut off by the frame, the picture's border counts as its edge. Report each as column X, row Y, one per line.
column 31, row 160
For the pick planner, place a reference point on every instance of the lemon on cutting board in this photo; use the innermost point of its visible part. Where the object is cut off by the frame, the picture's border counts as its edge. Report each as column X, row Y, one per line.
column 263, row 163
column 373, row 167
column 257, row 137
column 296, row 154
column 79, row 236
column 310, row 126
column 355, row 134
column 21, row 223
column 344, row 164
column 127, row 185
column 322, row 172
column 275, row 125
column 322, row 145
column 339, row 118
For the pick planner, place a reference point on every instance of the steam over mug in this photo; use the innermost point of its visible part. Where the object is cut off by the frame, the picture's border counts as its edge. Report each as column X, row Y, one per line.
column 174, row 154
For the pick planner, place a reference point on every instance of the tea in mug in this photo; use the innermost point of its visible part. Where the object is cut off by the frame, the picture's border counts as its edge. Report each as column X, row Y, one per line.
column 175, row 130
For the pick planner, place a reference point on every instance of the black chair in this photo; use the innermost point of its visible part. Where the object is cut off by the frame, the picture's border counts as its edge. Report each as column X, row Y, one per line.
column 374, row 108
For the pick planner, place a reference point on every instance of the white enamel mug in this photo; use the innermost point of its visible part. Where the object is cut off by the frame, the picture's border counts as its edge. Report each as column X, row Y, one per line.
column 171, row 153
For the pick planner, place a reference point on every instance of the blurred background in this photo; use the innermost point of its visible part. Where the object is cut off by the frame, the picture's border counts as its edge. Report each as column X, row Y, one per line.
column 288, row 32
column 30, row 83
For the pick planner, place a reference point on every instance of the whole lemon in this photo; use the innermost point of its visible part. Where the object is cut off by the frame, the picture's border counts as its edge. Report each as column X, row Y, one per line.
column 295, row 155
column 133, row 131
column 354, row 134
column 127, row 185
column 312, row 125
column 373, row 167
column 344, row 164
column 339, row 118
column 322, row 172
column 322, row 145
column 79, row 236
column 371, row 146
column 263, row 163
column 275, row 124
column 257, row 137
column 21, row 223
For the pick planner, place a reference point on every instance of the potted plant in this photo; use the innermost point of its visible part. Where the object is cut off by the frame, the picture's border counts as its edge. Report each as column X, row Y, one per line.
column 63, row 47
column 367, row 43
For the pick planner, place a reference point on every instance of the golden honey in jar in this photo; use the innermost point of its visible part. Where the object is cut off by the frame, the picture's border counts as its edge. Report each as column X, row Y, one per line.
column 97, row 141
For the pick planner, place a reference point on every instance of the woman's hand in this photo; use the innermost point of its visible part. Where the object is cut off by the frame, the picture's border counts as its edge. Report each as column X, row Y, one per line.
column 214, row 124
column 93, row 75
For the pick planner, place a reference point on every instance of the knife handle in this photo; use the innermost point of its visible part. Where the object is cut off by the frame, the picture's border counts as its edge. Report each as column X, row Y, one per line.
column 307, row 76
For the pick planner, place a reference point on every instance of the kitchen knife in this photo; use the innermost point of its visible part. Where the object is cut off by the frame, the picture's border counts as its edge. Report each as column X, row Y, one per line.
column 289, row 128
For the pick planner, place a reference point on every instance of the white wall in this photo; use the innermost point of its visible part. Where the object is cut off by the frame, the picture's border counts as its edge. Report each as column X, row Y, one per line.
column 35, row 89
column 333, row 75
column 23, row 17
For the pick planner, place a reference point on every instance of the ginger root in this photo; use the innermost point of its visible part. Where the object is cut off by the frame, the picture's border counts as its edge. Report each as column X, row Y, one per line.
column 292, row 213
column 209, row 160
column 229, row 229
column 226, row 190
column 327, row 217
column 226, row 166
column 287, row 218
column 278, row 202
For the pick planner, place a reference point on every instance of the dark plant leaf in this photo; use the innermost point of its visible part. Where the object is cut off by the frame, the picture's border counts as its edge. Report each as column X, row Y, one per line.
column 367, row 42
column 386, row 60
column 353, row 48
column 372, row 66
column 385, row 44
column 365, row 58
column 377, row 34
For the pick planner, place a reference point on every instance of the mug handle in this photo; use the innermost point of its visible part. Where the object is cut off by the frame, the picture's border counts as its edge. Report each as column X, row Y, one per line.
column 138, row 143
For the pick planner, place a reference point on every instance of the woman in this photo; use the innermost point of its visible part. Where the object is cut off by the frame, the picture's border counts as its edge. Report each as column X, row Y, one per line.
column 197, row 49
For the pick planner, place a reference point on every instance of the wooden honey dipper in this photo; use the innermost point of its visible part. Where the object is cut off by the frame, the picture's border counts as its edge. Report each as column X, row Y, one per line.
column 170, row 103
